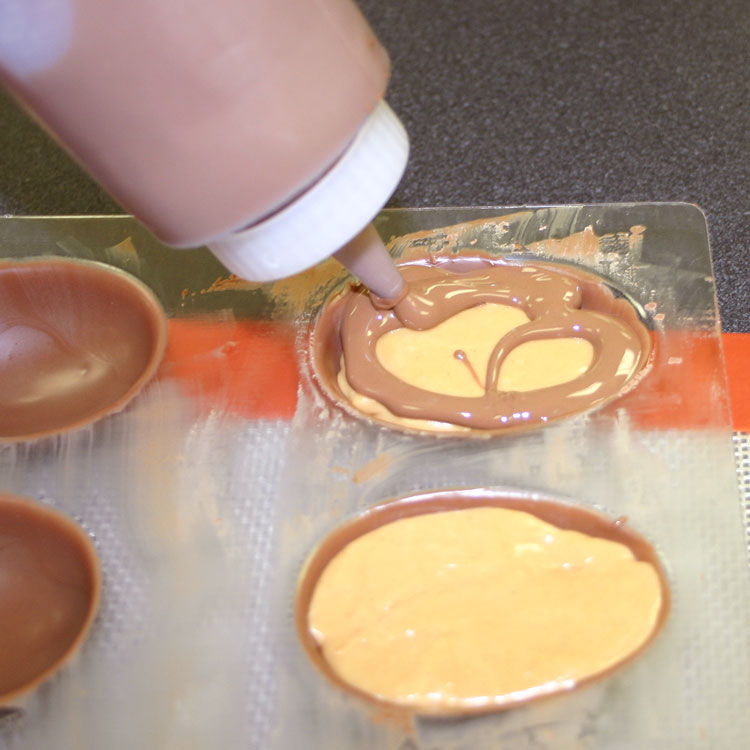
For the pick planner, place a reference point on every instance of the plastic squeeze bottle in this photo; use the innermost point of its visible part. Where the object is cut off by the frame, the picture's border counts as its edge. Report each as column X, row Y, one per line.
column 256, row 127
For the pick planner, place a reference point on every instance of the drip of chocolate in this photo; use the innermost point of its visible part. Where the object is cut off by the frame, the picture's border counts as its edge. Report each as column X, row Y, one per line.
column 560, row 303
column 461, row 356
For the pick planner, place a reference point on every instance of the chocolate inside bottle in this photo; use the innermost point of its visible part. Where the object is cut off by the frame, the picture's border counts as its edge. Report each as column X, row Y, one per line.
column 560, row 302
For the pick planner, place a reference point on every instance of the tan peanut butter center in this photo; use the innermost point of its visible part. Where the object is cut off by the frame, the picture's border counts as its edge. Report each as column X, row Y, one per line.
column 479, row 606
column 452, row 357
column 485, row 344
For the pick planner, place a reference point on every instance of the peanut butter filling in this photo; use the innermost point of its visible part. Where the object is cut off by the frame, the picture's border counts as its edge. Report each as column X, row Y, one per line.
column 484, row 344
column 480, row 607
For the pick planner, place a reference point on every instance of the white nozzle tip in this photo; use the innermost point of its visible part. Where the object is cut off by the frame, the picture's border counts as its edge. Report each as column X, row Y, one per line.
column 326, row 216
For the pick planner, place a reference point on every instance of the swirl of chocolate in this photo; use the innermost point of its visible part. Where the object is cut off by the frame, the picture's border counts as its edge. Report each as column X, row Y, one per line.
column 560, row 303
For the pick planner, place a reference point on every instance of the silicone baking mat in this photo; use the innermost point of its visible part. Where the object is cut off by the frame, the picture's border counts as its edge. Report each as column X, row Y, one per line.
column 207, row 493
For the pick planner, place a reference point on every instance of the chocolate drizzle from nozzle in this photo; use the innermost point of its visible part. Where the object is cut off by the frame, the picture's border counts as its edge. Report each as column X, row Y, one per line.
column 560, row 301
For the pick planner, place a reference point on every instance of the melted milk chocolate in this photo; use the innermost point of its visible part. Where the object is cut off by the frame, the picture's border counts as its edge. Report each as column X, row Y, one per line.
column 77, row 341
column 49, row 590
column 560, row 302
column 563, row 516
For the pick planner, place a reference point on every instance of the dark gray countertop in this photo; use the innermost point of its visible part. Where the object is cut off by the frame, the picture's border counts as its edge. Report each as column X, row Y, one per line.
column 512, row 102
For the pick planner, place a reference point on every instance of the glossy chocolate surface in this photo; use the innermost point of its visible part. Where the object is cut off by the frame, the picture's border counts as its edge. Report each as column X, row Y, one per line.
column 561, row 302
column 77, row 341
column 49, row 591
column 560, row 514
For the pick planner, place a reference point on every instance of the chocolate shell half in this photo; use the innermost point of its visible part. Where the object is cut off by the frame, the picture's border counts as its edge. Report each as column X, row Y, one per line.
column 49, row 593
column 78, row 340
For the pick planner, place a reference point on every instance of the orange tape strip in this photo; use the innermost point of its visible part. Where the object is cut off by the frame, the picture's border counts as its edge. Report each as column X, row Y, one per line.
column 247, row 368
column 250, row 368
column 687, row 365
column 737, row 360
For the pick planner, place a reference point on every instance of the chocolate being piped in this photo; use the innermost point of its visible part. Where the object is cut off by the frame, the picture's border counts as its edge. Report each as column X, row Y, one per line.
column 560, row 302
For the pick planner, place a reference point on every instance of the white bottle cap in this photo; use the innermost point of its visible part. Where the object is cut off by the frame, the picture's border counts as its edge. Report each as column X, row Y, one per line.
column 327, row 215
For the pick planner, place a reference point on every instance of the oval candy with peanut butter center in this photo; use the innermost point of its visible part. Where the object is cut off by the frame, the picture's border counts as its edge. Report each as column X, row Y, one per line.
column 452, row 357
column 480, row 608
